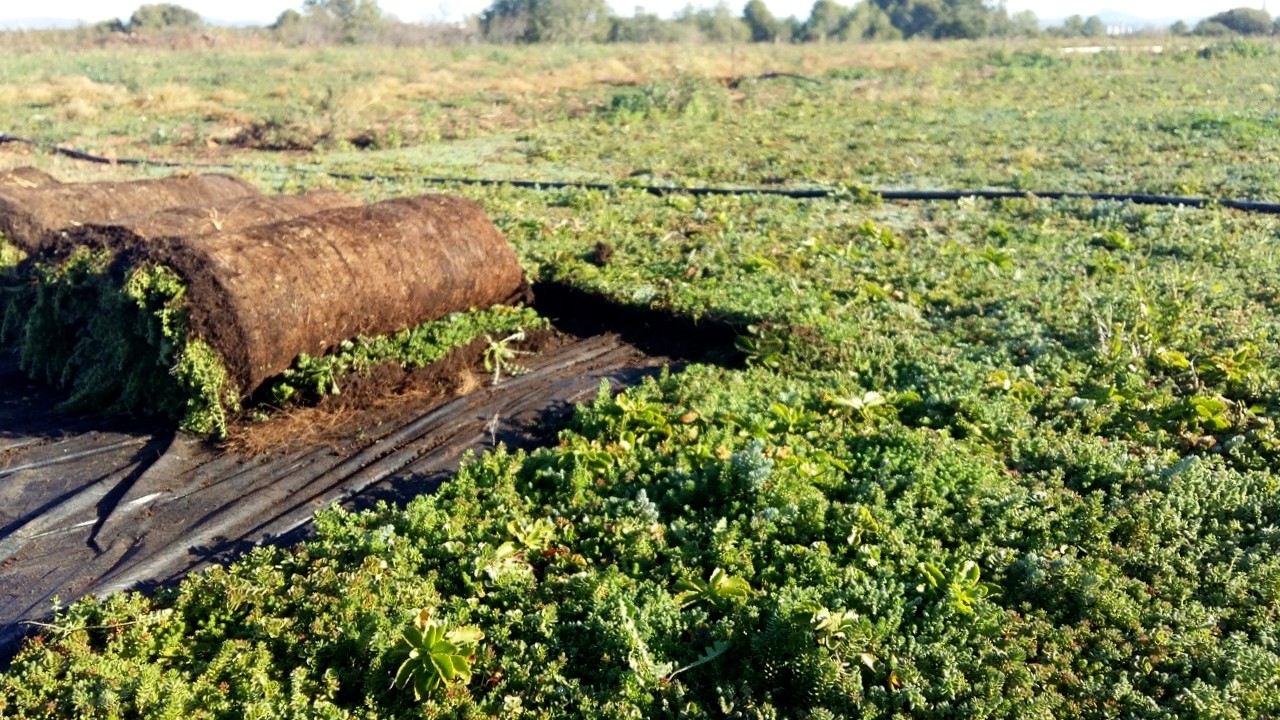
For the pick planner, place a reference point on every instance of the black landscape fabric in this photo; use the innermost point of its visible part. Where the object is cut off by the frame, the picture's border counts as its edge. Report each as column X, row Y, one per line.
column 89, row 506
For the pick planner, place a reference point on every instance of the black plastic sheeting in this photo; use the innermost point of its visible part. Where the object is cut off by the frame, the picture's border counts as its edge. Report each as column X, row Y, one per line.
column 88, row 509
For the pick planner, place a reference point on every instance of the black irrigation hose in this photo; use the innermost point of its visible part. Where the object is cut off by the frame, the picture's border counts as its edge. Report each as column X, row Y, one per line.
column 660, row 190
column 737, row 83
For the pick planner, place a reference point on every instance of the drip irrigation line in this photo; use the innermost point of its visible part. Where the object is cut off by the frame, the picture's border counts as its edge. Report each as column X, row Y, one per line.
column 1192, row 201
column 737, row 83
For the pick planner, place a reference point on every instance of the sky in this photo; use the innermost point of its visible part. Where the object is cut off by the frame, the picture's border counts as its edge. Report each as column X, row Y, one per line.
column 264, row 11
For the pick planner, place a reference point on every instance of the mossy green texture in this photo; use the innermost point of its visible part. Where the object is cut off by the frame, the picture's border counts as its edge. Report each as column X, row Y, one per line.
column 1008, row 459
column 123, row 345
column 11, row 292
column 10, row 256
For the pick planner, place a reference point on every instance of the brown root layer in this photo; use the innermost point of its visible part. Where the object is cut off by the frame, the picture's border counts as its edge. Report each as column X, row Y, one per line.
column 227, row 216
column 32, row 217
column 264, row 295
column 369, row 400
column 655, row 331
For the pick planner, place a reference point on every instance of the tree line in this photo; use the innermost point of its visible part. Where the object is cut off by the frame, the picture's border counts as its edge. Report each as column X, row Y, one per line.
column 591, row 21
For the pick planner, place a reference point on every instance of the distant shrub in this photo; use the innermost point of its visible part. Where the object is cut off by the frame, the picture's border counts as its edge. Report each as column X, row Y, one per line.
column 682, row 97
column 164, row 16
column 1244, row 20
column 1237, row 47
column 113, row 25
column 649, row 28
column 1211, row 28
column 1023, row 59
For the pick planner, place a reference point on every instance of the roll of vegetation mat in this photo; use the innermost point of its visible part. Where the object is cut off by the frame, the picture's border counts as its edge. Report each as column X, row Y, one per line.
column 65, row 282
column 26, row 177
column 262, row 296
column 226, row 216
column 200, row 322
column 23, row 178
column 30, row 217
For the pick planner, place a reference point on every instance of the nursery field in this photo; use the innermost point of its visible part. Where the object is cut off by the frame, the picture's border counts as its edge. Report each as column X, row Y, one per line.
column 984, row 459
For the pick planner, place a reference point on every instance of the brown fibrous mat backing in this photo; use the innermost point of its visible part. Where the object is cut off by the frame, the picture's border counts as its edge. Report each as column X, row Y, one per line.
column 262, row 296
column 32, row 217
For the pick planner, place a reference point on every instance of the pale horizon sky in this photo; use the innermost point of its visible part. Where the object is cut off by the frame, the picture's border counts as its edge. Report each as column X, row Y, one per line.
column 264, row 11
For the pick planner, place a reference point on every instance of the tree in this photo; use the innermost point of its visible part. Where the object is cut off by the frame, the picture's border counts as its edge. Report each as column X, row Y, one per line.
column 969, row 19
column 1094, row 27
column 287, row 20
column 826, row 20
column 648, row 28
column 1211, row 28
column 1024, row 24
column 550, row 21
column 794, row 27
column 1073, row 26
column 1179, row 28
column 113, row 25
column 568, row 21
column 913, row 17
column 718, row 24
column 1245, row 21
column 763, row 25
column 164, row 17
column 345, row 10
column 869, row 22
column 354, row 19
column 506, row 21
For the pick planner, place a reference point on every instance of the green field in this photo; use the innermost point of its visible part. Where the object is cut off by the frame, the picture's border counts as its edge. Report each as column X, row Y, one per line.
column 982, row 459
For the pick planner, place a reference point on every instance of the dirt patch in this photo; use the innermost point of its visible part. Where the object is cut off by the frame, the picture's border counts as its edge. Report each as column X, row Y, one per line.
column 30, row 217
column 26, row 177
column 223, row 217
column 654, row 331
column 601, row 254
column 278, row 136
column 262, row 296
column 386, row 394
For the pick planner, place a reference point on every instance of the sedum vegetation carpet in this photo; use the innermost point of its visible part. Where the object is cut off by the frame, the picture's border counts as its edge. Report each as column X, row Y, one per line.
column 983, row 459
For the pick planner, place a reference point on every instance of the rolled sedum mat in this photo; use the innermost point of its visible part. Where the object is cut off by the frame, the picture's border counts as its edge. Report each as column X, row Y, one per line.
column 225, row 216
column 67, row 280
column 31, row 217
column 181, row 297
column 261, row 296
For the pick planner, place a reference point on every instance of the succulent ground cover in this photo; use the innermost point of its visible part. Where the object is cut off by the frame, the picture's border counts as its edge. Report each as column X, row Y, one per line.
column 148, row 325
column 983, row 459
column 10, row 255
column 117, row 340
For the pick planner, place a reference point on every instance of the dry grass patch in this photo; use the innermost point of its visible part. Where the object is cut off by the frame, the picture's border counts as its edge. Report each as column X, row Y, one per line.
column 63, row 90
column 227, row 96
column 169, row 98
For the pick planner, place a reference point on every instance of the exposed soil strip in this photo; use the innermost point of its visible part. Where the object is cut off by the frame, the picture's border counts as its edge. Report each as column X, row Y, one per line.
column 905, row 195
column 656, row 332
column 138, row 508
